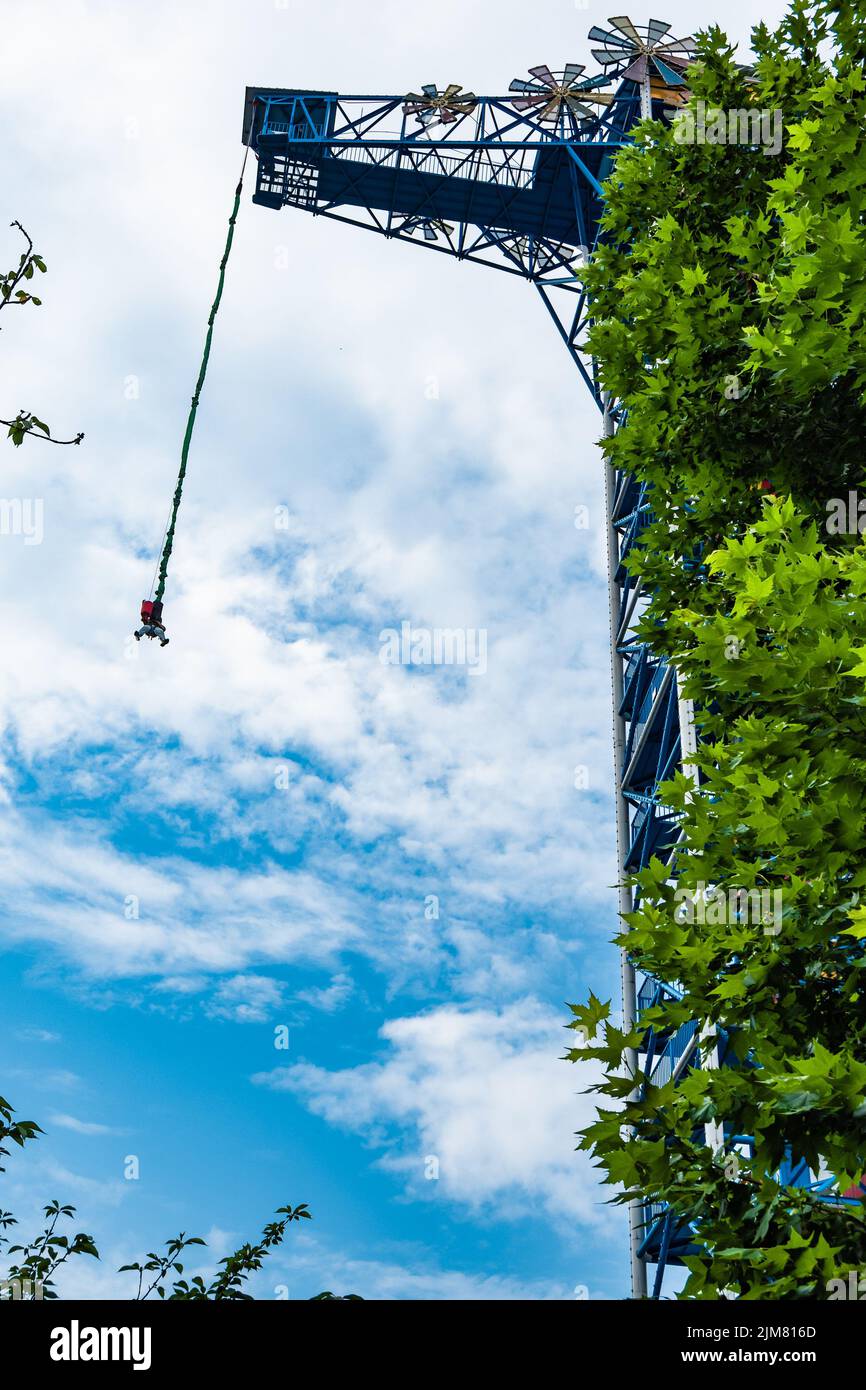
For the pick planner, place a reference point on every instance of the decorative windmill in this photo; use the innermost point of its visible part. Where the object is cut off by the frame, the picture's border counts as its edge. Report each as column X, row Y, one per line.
column 555, row 93
column 646, row 55
column 432, row 107
column 430, row 227
column 549, row 255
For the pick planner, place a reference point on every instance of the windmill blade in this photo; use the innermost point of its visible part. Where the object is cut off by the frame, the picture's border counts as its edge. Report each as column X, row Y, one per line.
column 464, row 102
column 668, row 75
column 542, row 253
column 604, row 55
column 429, row 227
column 572, row 73
column 686, row 46
column 625, row 26
column 577, row 108
column 451, row 91
column 551, row 110
column 583, row 94
column 520, row 84
column 543, row 72
column 638, row 70
column 656, row 30
column 590, row 83
column 604, row 36
column 599, row 98
column 558, row 256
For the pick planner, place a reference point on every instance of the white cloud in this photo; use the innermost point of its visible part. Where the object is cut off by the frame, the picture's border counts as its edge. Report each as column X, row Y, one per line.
column 40, row 1035
column 481, row 1091
column 73, row 890
column 47, row 1173
column 246, row 998
column 56, row 1079
column 81, row 1126
column 306, row 1264
column 456, row 512
column 331, row 997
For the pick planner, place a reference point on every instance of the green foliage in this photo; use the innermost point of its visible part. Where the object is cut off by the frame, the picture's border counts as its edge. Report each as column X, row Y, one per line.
column 160, row 1266
column 31, row 1275
column 37, row 1263
column 10, row 283
column 729, row 301
column 19, row 1131
column 234, row 1269
column 13, row 295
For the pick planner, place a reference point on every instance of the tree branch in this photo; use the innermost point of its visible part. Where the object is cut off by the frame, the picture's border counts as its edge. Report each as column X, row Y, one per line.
column 25, row 423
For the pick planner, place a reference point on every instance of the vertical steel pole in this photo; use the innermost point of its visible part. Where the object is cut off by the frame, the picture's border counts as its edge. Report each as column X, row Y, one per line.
column 627, row 976
column 688, row 735
column 714, row 1132
column 646, row 97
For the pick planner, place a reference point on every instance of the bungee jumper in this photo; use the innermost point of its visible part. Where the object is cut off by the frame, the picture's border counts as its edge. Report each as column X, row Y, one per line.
column 151, row 622
column 152, row 625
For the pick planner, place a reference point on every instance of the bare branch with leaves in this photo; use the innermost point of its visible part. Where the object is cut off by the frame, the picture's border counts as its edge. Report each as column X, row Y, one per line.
column 14, row 295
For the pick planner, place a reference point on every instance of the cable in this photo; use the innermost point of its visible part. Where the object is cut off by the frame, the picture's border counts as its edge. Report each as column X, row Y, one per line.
column 168, row 535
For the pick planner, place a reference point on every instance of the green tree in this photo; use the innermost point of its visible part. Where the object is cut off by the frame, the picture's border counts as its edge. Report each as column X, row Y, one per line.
column 729, row 299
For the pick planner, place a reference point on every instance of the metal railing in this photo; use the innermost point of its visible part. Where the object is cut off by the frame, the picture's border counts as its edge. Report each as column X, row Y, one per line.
column 480, row 165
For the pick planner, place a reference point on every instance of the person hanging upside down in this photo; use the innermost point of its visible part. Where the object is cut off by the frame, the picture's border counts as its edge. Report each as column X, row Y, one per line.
column 151, row 622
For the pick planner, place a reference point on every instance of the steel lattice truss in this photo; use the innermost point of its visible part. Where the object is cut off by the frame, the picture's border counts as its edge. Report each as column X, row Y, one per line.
column 518, row 190
column 515, row 183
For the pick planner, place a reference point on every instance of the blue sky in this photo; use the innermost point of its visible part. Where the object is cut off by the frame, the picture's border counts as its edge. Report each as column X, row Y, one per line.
column 274, row 803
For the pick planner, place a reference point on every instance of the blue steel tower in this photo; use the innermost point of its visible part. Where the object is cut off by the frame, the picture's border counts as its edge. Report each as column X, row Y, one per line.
column 515, row 183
